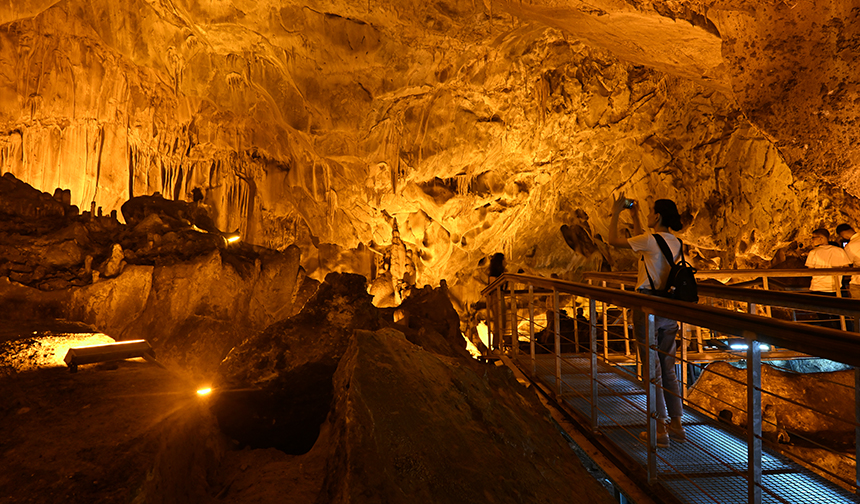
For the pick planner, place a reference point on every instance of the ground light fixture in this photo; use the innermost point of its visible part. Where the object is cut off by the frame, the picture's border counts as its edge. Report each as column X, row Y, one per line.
column 120, row 350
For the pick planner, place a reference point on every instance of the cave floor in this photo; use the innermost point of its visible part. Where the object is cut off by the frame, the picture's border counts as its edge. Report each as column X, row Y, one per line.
column 111, row 432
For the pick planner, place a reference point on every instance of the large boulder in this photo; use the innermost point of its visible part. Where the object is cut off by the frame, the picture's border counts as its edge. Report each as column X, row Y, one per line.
column 428, row 318
column 411, row 426
column 275, row 388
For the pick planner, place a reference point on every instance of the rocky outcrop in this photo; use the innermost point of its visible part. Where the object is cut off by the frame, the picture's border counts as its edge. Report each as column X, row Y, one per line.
column 188, row 292
column 276, row 387
column 410, row 426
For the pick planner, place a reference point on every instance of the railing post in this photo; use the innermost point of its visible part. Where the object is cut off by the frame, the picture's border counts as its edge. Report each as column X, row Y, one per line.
column 515, row 333
column 626, row 330
column 753, row 419
column 700, row 343
column 491, row 321
column 498, row 336
column 532, row 329
column 837, row 282
column 684, row 374
column 605, row 329
column 857, row 430
column 592, row 316
column 765, row 285
column 557, row 341
column 650, row 358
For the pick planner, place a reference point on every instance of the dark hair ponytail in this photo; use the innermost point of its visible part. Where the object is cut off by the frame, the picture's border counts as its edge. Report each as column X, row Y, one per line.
column 669, row 213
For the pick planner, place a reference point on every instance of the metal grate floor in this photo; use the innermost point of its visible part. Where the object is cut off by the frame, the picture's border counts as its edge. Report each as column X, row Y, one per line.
column 709, row 468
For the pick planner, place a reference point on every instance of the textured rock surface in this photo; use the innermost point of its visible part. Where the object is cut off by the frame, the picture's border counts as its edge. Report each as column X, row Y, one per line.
column 478, row 126
column 393, row 435
column 277, row 385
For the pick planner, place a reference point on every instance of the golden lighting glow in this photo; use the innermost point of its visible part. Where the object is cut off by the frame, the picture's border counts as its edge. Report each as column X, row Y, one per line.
column 233, row 239
column 473, row 350
column 47, row 350
column 484, row 333
column 204, row 391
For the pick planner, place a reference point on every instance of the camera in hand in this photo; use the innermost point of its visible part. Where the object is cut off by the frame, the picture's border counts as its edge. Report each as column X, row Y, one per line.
column 628, row 203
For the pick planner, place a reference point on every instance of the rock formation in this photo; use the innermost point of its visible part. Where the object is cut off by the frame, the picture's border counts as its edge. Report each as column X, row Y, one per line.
column 187, row 291
column 476, row 127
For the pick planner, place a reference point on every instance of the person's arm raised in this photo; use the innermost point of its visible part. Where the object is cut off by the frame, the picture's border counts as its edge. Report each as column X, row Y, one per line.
column 614, row 239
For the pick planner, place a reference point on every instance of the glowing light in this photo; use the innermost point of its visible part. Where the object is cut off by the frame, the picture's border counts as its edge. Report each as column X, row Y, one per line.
column 483, row 333
column 233, row 239
column 204, row 391
column 738, row 346
column 46, row 349
column 471, row 348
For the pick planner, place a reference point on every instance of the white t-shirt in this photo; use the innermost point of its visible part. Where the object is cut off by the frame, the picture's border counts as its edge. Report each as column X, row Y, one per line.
column 655, row 261
column 852, row 249
column 826, row 256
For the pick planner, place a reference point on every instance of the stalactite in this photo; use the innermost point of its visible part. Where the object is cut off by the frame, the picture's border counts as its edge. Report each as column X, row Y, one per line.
column 464, row 181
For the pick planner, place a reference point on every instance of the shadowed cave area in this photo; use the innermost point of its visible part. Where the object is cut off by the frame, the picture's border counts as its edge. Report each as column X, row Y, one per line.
column 288, row 418
column 294, row 203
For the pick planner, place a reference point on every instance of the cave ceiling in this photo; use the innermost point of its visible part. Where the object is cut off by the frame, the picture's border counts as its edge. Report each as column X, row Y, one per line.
column 478, row 126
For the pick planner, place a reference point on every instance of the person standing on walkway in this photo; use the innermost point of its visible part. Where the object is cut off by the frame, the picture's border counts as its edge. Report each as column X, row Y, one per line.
column 825, row 255
column 652, row 275
column 852, row 250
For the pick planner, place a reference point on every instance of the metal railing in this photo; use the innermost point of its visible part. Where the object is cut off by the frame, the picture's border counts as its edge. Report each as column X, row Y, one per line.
column 508, row 293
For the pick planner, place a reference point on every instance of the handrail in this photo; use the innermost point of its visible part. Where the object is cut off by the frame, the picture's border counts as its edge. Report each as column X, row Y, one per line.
column 823, row 342
column 751, row 273
column 802, row 301
column 570, row 377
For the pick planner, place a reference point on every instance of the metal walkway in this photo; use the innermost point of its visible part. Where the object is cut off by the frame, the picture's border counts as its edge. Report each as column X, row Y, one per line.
column 688, row 470
column 720, row 463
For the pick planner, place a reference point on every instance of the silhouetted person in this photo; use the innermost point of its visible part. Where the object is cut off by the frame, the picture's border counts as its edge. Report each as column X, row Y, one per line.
column 497, row 267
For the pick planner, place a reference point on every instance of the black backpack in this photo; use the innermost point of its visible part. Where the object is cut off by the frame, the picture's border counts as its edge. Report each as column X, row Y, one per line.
column 681, row 283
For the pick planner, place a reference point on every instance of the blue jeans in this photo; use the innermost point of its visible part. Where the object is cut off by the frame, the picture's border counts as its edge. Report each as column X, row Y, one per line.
column 663, row 371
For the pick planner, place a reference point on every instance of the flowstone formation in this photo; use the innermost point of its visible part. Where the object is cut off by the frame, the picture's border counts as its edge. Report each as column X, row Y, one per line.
column 476, row 127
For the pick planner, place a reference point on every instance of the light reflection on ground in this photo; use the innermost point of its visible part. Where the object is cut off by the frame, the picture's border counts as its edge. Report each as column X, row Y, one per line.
column 45, row 350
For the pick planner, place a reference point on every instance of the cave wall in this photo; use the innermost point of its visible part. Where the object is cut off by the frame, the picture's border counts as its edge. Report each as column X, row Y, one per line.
column 476, row 126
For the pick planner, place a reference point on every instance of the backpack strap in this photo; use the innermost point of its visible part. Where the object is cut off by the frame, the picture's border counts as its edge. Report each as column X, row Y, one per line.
column 667, row 253
column 650, row 280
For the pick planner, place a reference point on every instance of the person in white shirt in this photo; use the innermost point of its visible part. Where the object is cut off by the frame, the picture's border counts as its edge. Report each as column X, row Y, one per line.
column 663, row 217
column 852, row 250
column 825, row 255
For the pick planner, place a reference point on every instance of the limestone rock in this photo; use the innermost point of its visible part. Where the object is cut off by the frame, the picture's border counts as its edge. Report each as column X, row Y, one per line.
column 114, row 264
column 277, row 385
column 431, row 322
column 479, row 127
column 410, row 426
